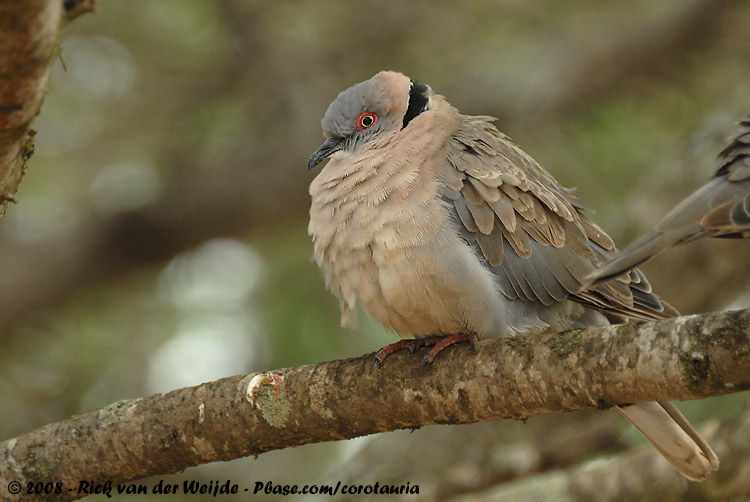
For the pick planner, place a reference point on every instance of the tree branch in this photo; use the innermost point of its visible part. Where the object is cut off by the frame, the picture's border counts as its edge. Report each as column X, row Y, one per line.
column 612, row 479
column 29, row 44
column 681, row 358
column 74, row 8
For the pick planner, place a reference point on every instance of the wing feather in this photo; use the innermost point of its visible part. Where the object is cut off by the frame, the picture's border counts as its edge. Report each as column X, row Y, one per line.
column 530, row 230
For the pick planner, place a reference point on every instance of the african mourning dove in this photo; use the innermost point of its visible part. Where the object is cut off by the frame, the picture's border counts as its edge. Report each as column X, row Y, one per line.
column 720, row 208
column 444, row 230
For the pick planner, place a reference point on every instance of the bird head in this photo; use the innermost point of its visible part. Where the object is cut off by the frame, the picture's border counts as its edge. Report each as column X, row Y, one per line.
column 383, row 104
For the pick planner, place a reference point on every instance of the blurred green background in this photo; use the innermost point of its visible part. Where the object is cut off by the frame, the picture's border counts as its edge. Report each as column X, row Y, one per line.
column 160, row 235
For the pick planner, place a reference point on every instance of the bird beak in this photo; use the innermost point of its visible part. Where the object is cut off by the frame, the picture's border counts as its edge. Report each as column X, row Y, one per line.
column 331, row 146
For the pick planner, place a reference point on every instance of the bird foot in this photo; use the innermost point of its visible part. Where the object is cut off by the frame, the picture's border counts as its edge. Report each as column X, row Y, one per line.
column 411, row 345
column 439, row 342
column 447, row 341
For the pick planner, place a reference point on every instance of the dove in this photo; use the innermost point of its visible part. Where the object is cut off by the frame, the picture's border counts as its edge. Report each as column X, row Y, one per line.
column 445, row 231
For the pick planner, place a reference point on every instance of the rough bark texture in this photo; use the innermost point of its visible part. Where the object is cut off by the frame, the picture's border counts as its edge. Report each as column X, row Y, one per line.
column 74, row 8
column 29, row 44
column 681, row 358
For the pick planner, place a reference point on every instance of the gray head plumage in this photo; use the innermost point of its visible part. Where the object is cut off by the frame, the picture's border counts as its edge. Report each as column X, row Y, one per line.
column 386, row 102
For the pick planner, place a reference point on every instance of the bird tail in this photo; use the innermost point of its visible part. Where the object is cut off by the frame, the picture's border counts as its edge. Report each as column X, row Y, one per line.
column 720, row 208
column 674, row 437
column 635, row 254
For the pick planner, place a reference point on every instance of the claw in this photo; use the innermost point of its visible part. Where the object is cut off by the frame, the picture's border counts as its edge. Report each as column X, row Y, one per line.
column 474, row 341
column 391, row 348
column 425, row 361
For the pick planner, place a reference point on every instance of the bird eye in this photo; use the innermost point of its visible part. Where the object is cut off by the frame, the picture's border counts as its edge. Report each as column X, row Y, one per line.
column 365, row 120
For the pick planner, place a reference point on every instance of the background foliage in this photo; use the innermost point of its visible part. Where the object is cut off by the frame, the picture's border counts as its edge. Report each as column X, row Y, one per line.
column 160, row 239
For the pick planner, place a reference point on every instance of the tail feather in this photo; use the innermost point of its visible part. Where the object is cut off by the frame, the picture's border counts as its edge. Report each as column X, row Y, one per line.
column 674, row 437
column 635, row 254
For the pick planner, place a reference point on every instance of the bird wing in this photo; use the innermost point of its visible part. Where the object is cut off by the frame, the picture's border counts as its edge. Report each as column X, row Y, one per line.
column 530, row 230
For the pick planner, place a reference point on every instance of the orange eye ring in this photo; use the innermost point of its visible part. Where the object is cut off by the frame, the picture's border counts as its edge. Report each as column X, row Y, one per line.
column 365, row 120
